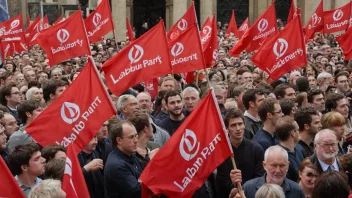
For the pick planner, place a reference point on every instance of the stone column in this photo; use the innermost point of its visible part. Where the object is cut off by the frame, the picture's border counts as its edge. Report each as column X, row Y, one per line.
column 169, row 14
column 206, row 10
column 179, row 9
column 340, row 3
column 308, row 7
column 256, row 8
column 119, row 17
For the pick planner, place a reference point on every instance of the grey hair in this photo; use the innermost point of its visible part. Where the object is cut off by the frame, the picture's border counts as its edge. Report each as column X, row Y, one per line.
column 46, row 188
column 270, row 190
column 275, row 148
column 190, row 90
column 122, row 101
column 147, row 93
column 324, row 131
column 30, row 92
column 323, row 75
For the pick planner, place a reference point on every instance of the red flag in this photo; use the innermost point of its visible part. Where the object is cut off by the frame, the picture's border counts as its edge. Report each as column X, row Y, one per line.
column 284, row 52
column 7, row 48
column 73, row 182
column 77, row 114
column 232, row 28
column 58, row 20
column 190, row 151
column 129, row 32
column 151, row 87
column 316, row 22
column 33, row 25
column 292, row 11
column 146, row 58
column 45, row 23
column 186, row 52
column 12, row 29
column 211, row 51
column 8, row 185
column 263, row 27
column 65, row 40
column 187, row 20
column 345, row 42
column 338, row 19
column 206, row 33
column 99, row 23
column 243, row 28
column 33, row 31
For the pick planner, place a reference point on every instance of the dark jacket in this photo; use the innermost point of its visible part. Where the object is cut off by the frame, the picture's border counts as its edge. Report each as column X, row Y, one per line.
column 121, row 175
column 291, row 188
column 295, row 158
column 315, row 161
column 4, row 154
column 248, row 157
column 170, row 125
column 15, row 114
column 252, row 126
column 308, row 150
column 265, row 139
column 104, row 149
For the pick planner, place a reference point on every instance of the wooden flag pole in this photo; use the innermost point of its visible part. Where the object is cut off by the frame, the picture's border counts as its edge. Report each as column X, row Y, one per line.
column 239, row 185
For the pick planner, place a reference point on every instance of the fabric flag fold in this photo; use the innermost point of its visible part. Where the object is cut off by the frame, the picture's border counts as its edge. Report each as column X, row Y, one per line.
column 337, row 19
column 292, row 11
column 205, row 33
column 144, row 59
column 129, row 32
column 316, row 22
column 195, row 150
column 284, row 52
column 211, row 50
column 243, row 28
column 77, row 114
column 8, row 185
column 232, row 28
column 345, row 42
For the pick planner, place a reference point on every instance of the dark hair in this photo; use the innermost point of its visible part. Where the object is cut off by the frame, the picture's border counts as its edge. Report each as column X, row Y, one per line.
column 34, row 83
column 250, row 96
column 331, row 184
column 341, row 73
column 280, row 90
column 6, row 74
column 304, row 116
column 140, row 121
column 6, row 91
column 50, row 87
column 54, row 169
column 21, row 155
column 50, row 151
column 171, row 93
column 287, row 105
column 331, row 101
column 116, row 130
column 233, row 113
column 267, row 106
column 312, row 93
column 27, row 106
column 283, row 128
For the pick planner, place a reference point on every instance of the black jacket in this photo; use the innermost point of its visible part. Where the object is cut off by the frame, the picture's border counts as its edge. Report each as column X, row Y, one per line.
column 252, row 126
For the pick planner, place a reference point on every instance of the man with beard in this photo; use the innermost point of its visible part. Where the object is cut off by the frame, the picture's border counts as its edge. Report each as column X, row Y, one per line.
column 191, row 99
column 309, row 124
column 145, row 102
column 174, row 107
column 326, row 150
column 316, row 99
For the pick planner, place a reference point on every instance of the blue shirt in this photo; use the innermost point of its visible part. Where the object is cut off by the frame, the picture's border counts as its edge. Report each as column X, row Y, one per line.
column 295, row 158
column 27, row 189
column 265, row 139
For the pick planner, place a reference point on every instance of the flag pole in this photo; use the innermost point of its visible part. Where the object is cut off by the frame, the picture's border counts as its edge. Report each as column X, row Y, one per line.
column 239, row 185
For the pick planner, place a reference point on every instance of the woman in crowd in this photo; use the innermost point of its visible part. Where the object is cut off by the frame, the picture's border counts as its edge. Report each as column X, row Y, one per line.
column 307, row 176
column 335, row 122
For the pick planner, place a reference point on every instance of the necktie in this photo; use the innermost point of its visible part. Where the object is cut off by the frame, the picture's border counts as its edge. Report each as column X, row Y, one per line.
column 330, row 168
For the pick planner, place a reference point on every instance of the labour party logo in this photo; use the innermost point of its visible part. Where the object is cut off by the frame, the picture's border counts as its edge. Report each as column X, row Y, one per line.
column 189, row 140
column 72, row 110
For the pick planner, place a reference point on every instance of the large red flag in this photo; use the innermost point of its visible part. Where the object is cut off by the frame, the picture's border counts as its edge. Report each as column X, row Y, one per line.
column 7, row 48
column 151, row 87
column 8, row 185
column 12, row 29
column 146, row 58
column 292, row 11
column 73, row 182
column 337, row 19
column 316, row 22
column 65, row 40
column 187, row 20
column 345, row 42
column 33, row 31
column 99, row 23
column 186, row 52
column 243, row 28
column 45, row 23
column 58, row 20
column 263, row 27
column 284, row 52
column 211, row 51
column 31, row 27
column 77, row 114
column 205, row 33
column 129, row 32
column 195, row 150
column 232, row 28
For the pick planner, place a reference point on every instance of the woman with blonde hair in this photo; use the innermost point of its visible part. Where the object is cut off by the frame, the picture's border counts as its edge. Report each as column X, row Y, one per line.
column 335, row 122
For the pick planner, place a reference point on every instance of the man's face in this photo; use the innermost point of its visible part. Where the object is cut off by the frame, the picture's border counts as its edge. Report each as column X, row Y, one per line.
column 236, row 128
column 36, row 164
column 312, row 82
column 10, row 124
column 221, row 53
column 319, row 102
column 144, row 102
column 103, row 131
column 290, row 93
column 59, row 91
column 296, row 132
column 258, row 100
column 14, row 98
column 68, row 68
column 56, row 75
column 20, row 78
column 326, row 147
column 220, row 96
column 3, row 138
column 37, row 95
column 43, row 77
column 342, row 84
column 35, row 113
column 276, row 167
column 315, row 126
column 247, row 78
column 277, row 114
column 342, row 107
column 327, row 51
column 168, row 85
column 131, row 107
column 129, row 139
column 191, row 100
column 92, row 144
column 174, row 105
column 9, row 67
column 30, row 76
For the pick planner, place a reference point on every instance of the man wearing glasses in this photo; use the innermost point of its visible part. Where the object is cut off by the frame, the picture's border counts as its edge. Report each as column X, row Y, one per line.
column 10, row 98
column 122, row 168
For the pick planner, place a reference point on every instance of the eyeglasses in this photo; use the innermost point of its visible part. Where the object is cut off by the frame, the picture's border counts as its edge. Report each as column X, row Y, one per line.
column 328, row 145
column 131, row 137
column 16, row 93
column 278, row 111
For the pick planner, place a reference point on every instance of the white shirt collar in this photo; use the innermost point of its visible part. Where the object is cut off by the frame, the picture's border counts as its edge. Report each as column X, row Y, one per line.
column 326, row 166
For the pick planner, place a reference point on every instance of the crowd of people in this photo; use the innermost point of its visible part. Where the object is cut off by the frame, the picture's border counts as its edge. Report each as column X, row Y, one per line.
column 290, row 137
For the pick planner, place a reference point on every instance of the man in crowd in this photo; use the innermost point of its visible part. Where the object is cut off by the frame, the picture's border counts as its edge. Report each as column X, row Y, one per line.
column 52, row 89
column 145, row 102
column 316, row 99
column 127, row 105
column 284, row 91
column 10, row 124
column 191, row 99
column 10, row 98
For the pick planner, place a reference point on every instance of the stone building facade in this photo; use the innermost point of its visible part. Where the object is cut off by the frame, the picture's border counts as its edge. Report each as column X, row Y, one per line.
column 150, row 11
